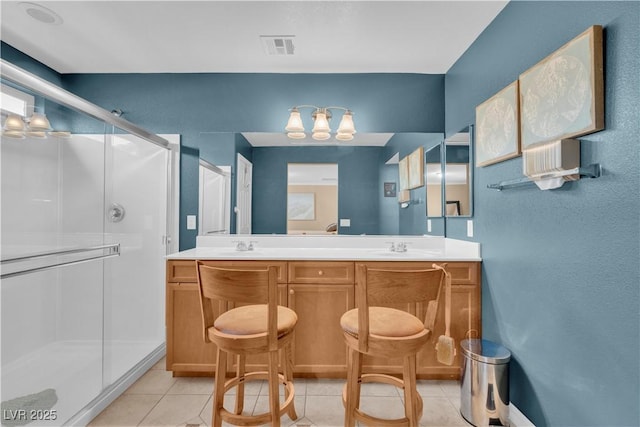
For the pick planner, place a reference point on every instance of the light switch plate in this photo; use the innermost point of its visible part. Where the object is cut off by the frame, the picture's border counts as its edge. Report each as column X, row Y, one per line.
column 191, row 222
column 469, row 228
column 345, row 222
column 428, row 226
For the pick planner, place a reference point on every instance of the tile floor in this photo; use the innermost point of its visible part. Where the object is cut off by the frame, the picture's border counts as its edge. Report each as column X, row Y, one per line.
column 158, row 399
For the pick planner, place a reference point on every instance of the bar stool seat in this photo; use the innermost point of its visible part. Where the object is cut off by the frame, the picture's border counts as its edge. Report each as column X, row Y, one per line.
column 388, row 332
column 247, row 329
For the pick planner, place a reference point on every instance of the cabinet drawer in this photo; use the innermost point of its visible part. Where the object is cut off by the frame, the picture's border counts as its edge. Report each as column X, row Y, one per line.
column 185, row 271
column 337, row 272
column 462, row 273
column 181, row 271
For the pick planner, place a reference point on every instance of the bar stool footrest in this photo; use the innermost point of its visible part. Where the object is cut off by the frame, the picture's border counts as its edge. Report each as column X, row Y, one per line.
column 374, row 421
column 261, row 419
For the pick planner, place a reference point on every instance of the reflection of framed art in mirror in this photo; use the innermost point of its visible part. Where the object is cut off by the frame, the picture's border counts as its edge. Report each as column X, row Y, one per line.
column 301, row 206
column 403, row 173
column 404, row 196
column 416, row 168
column 389, row 189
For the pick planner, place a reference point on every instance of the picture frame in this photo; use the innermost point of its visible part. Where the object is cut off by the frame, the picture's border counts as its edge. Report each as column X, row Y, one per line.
column 389, row 189
column 562, row 96
column 301, row 206
column 403, row 173
column 498, row 127
column 416, row 168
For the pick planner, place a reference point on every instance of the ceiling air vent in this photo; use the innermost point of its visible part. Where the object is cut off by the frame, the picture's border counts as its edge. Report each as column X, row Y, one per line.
column 278, row 45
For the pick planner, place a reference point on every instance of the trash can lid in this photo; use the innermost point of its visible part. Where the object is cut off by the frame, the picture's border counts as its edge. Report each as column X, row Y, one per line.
column 485, row 351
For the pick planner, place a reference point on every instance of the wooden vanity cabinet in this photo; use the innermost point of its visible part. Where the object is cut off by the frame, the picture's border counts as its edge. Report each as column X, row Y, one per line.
column 320, row 292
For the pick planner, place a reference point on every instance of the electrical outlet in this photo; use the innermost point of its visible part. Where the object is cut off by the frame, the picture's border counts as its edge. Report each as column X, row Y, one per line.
column 469, row 228
column 345, row 222
column 428, row 226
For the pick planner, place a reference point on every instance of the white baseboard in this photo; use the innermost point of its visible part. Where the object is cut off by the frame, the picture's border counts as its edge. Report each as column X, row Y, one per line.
column 517, row 418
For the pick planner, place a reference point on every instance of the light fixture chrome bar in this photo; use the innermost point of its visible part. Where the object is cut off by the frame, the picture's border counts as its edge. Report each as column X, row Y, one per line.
column 112, row 253
column 42, row 87
column 115, row 248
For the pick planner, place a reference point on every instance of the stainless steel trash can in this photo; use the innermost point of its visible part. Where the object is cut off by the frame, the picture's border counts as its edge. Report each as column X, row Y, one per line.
column 484, row 385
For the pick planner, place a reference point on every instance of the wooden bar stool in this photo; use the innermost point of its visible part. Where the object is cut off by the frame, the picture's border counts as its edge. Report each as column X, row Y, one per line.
column 377, row 330
column 261, row 327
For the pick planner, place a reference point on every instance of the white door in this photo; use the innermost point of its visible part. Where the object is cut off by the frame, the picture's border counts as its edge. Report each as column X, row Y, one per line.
column 243, row 196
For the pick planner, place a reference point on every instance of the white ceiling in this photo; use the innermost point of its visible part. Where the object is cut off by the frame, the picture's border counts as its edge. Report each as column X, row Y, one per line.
column 224, row 36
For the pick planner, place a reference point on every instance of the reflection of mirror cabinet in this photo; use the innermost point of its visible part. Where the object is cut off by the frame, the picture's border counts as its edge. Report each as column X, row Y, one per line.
column 449, row 175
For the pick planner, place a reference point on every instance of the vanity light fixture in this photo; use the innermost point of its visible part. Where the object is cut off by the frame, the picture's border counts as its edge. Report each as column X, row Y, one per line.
column 17, row 127
column 321, row 130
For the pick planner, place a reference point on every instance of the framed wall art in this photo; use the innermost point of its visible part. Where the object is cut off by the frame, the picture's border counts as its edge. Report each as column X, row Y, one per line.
column 497, row 127
column 562, row 96
column 416, row 168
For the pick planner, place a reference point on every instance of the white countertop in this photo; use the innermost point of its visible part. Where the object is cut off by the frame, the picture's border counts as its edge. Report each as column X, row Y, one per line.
column 331, row 248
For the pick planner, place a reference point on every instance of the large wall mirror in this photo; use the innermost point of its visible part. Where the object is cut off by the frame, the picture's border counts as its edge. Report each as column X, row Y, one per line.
column 365, row 205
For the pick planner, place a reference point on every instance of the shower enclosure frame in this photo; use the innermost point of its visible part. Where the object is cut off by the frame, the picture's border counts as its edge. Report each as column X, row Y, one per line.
column 16, row 75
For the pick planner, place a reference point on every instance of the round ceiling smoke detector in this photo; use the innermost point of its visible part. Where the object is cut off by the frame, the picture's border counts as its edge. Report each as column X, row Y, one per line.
column 41, row 13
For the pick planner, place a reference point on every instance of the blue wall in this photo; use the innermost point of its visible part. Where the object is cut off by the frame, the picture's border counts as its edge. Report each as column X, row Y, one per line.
column 561, row 267
column 200, row 105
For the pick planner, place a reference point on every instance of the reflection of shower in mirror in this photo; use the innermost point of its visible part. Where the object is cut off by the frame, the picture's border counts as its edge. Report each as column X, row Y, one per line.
column 214, row 199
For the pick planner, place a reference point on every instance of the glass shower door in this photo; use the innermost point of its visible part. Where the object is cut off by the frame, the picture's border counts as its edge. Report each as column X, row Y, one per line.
column 136, row 206
column 53, row 252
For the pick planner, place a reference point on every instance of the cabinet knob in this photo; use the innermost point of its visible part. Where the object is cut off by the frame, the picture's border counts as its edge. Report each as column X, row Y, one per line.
column 320, row 272
column 291, row 292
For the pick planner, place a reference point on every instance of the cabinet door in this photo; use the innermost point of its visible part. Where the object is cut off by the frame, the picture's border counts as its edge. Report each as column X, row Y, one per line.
column 187, row 353
column 318, row 345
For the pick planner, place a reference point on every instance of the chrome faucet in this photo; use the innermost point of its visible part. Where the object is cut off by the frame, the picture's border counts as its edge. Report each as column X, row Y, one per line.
column 242, row 246
column 401, row 246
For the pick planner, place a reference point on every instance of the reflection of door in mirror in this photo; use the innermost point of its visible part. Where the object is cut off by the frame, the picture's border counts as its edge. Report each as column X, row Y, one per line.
column 244, row 190
column 312, row 198
column 457, row 189
column 434, row 182
column 214, row 199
